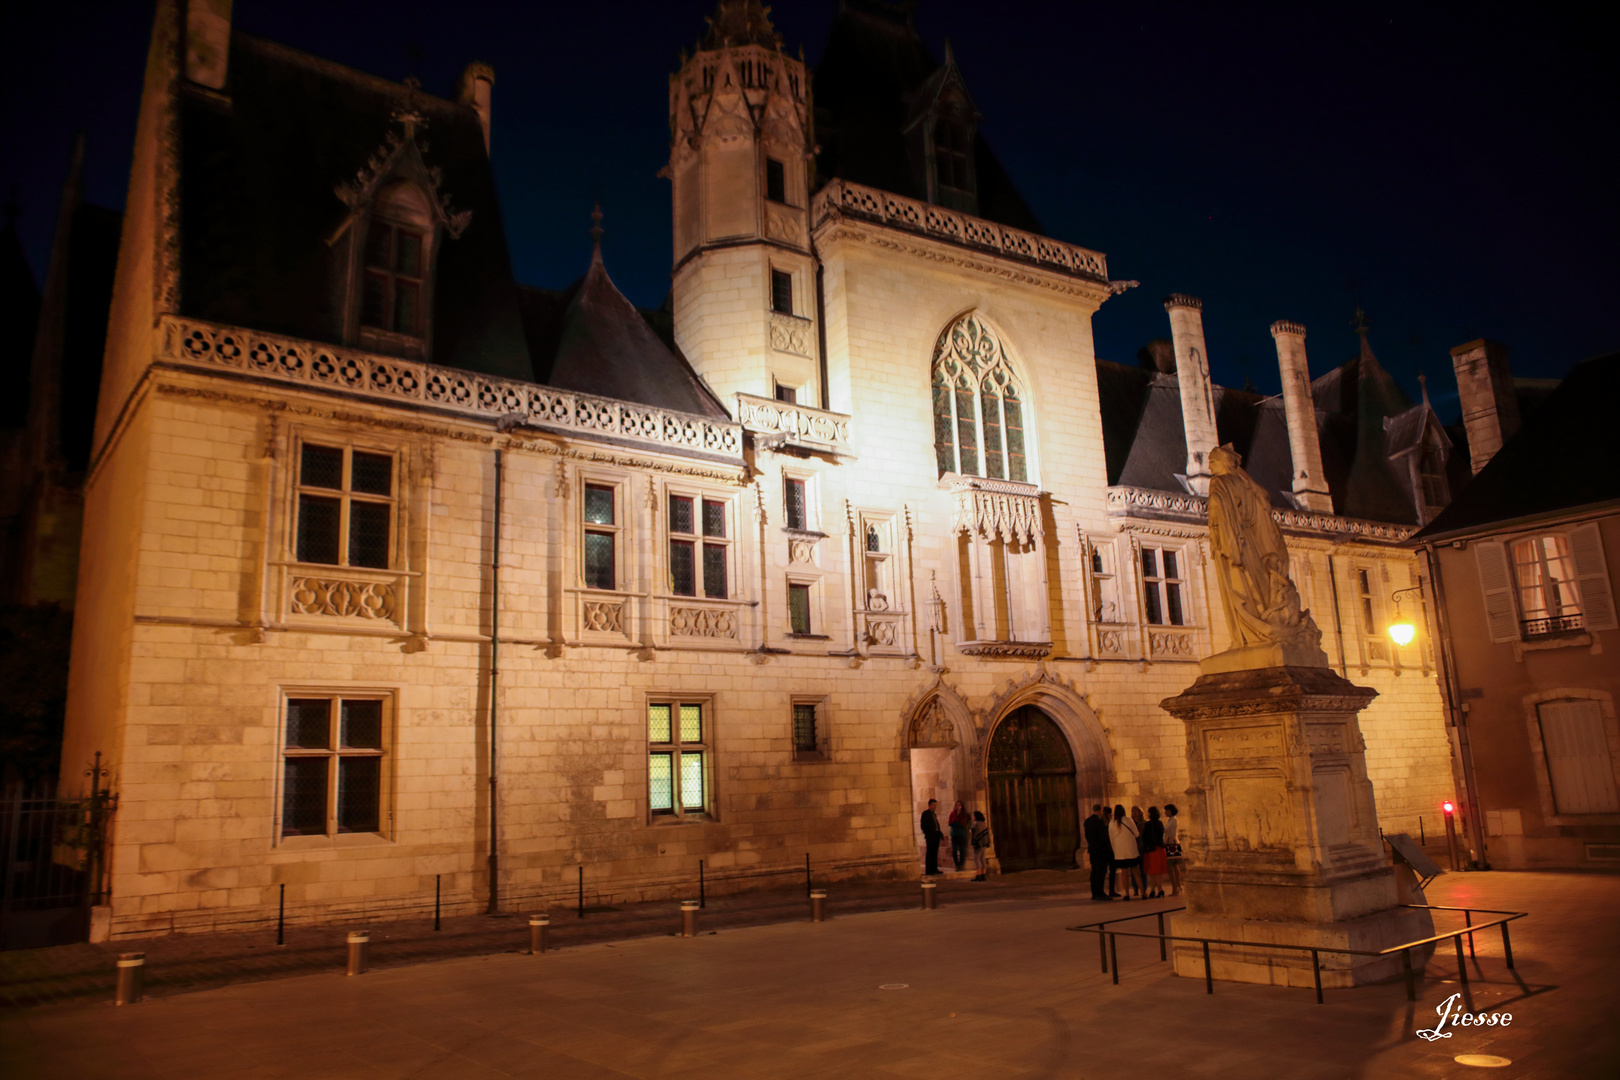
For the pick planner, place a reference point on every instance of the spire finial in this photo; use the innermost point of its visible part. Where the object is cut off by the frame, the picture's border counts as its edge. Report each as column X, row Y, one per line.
column 1360, row 322
column 596, row 232
column 1423, row 388
column 950, row 53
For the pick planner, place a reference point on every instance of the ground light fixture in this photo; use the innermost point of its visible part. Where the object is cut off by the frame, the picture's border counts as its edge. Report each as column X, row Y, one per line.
column 1401, row 629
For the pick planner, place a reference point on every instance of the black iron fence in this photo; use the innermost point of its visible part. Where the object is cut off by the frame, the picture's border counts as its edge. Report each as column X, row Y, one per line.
column 53, row 866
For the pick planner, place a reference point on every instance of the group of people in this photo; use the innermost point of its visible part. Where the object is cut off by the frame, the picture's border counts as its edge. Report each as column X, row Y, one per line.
column 969, row 830
column 1146, row 849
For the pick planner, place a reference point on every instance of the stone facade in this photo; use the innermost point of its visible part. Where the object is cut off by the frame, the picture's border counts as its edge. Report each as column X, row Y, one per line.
column 907, row 607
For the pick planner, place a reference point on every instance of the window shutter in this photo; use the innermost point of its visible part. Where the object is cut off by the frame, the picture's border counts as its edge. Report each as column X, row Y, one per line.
column 1496, row 581
column 1578, row 761
column 1592, row 577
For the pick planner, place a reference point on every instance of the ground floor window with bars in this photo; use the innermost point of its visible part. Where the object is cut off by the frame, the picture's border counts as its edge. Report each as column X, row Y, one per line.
column 678, row 759
column 332, row 765
column 809, row 730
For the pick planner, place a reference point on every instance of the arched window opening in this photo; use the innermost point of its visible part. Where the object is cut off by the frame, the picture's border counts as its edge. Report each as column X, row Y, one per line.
column 978, row 405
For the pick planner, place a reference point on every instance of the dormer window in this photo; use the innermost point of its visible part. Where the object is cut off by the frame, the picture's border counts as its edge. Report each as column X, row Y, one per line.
column 953, row 165
column 394, row 281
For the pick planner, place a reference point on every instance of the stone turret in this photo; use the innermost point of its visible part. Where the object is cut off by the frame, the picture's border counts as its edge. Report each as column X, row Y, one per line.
column 1304, row 441
column 741, row 148
column 1490, row 412
column 1197, row 397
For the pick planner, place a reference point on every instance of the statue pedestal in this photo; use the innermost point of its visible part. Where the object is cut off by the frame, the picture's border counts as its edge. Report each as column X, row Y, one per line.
column 1282, row 845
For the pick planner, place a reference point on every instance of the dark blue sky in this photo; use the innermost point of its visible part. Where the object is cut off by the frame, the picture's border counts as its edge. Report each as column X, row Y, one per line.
column 1452, row 169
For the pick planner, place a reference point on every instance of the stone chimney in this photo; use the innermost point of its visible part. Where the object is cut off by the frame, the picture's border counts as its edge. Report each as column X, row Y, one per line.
column 477, row 82
column 1192, row 374
column 208, row 42
column 1490, row 412
column 1304, row 443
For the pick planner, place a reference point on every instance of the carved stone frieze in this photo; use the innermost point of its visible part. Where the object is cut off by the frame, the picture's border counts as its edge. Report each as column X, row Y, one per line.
column 702, row 622
column 1111, row 641
column 342, row 597
column 932, row 727
column 1172, row 645
column 1126, row 501
column 603, row 616
column 1016, row 650
column 792, row 334
column 882, row 632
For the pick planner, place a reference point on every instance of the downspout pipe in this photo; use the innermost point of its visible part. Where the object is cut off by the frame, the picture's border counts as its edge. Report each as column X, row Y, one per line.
column 1451, row 687
column 494, row 694
column 1338, row 619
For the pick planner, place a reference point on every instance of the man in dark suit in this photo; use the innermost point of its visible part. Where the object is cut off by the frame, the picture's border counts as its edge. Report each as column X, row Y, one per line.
column 931, row 837
column 1100, row 850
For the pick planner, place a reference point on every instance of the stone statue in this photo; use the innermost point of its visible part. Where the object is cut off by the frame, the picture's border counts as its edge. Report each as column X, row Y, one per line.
column 1251, row 565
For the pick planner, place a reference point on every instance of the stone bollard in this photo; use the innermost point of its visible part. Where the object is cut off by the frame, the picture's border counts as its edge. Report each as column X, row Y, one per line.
column 818, row 905
column 359, row 944
column 131, row 974
column 689, row 910
column 930, row 890
column 539, row 926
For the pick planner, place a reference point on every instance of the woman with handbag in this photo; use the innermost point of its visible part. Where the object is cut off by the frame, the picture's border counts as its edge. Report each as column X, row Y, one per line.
column 980, row 838
column 1122, row 836
column 1153, row 857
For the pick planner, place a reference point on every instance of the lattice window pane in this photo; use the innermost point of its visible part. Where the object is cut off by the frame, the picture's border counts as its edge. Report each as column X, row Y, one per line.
column 407, row 299
column 374, row 300
column 309, row 723
column 1017, row 463
column 794, row 503
column 318, row 529
column 661, row 783
column 799, row 608
column 944, row 426
column 321, row 466
column 691, row 723
column 995, row 464
column 598, row 504
column 966, row 429
column 714, row 518
column 1172, row 597
column 658, row 729
column 371, row 474
column 682, row 579
column 303, row 797
column 1155, row 613
column 408, row 252
column 360, row 724
column 782, row 292
column 1150, row 563
column 714, row 571
column 804, row 727
column 775, row 181
column 1170, row 565
column 368, row 534
column 874, row 541
column 359, row 792
column 379, row 246
column 680, row 515
column 599, row 560
column 691, row 781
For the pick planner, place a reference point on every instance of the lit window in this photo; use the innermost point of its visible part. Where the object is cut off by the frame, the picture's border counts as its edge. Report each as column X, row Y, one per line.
column 799, row 609
column 795, row 505
column 775, row 181
column 1161, row 587
column 699, row 546
column 978, row 406
column 1545, row 575
column 782, row 292
column 332, row 766
column 601, row 536
column 677, row 758
column 345, row 507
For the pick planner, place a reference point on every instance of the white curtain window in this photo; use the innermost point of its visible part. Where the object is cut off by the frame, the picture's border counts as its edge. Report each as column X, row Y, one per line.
column 1545, row 576
column 1579, row 764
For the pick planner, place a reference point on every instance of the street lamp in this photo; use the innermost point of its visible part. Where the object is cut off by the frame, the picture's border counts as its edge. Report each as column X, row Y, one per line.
column 1401, row 629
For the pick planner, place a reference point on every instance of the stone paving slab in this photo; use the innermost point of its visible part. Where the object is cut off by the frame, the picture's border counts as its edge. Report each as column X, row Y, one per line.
column 992, row 989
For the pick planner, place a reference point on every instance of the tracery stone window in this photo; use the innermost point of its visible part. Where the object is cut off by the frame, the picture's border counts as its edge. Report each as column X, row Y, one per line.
column 978, row 405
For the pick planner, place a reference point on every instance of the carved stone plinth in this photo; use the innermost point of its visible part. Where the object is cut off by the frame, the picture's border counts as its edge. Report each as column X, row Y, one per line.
column 1282, row 839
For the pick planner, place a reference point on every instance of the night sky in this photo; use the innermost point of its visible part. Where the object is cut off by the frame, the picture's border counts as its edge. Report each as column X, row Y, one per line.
column 1452, row 170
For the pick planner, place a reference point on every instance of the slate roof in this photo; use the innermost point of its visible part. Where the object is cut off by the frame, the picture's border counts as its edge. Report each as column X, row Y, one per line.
column 1145, row 441
column 874, row 65
column 260, row 207
column 1561, row 459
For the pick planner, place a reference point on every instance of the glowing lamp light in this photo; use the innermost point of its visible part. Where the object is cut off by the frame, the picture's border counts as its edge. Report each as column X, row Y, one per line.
column 1447, row 807
column 1402, row 632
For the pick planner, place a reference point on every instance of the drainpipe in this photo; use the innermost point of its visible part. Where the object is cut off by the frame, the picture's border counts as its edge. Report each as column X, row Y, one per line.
column 494, row 688
column 1338, row 620
column 1451, row 689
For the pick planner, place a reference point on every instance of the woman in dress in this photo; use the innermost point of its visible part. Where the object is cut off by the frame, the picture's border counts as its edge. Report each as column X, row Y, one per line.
column 980, row 837
column 1172, row 846
column 960, row 822
column 1122, row 834
column 1153, row 860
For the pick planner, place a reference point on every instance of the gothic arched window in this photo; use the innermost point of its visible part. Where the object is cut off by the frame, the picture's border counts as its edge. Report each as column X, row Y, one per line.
column 978, row 405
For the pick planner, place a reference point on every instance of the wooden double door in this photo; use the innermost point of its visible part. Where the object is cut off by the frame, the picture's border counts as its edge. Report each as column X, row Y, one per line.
column 1034, row 812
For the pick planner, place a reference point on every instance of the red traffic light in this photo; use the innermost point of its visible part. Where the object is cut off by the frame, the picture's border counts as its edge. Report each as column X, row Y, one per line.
column 1446, row 806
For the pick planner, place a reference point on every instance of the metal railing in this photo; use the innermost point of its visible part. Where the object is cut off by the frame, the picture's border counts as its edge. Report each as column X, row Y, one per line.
column 1109, row 950
column 1558, row 624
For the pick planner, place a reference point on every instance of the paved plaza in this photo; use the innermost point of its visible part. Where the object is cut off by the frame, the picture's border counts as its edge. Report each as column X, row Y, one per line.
column 989, row 989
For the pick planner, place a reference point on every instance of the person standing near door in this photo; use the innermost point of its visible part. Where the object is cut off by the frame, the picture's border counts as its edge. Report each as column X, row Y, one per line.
column 931, row 837
column 960, row 822
column 1100, row 851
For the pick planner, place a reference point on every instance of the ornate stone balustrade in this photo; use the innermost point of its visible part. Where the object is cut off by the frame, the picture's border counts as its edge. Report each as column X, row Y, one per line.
column 1175, row 506
column 841, row 198
column 815, row 428
column 995, row 508
column 386, row 379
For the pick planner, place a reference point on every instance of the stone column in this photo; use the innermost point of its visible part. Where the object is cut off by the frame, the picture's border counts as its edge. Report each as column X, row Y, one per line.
column 1282, row 845
column 1192, row 376
column 1304, row 443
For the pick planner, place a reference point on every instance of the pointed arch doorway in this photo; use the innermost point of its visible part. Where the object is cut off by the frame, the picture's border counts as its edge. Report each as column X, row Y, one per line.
column 1034, row 809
